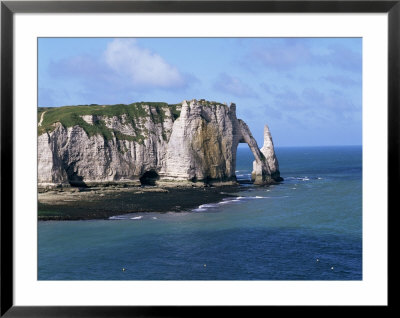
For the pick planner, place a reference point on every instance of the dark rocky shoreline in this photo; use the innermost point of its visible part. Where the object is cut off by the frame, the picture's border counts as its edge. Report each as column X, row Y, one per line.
column 102, row 203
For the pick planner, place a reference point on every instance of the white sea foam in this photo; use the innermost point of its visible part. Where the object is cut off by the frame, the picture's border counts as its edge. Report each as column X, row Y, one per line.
column 117, row 217
column 298, row 178
column 208, row 206
column 199, row 210
column 251, row 197
column 136, row 217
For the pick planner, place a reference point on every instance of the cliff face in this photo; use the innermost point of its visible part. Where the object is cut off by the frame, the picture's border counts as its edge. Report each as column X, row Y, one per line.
column 94, row 146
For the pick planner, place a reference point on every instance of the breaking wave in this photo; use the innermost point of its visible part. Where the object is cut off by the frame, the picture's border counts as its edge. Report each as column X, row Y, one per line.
column 125, row 217
column 234, row 200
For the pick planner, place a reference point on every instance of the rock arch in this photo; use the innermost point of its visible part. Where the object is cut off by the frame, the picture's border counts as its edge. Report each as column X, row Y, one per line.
column 204, row 142
column 265, row 164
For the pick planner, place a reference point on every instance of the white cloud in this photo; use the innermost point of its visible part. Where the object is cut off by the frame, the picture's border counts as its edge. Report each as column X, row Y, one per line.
column 142, row 67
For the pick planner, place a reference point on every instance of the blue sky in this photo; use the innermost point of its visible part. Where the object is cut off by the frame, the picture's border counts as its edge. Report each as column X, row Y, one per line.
column 308, row 90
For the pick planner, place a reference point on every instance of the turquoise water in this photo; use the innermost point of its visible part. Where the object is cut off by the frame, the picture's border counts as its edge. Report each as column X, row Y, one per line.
column 307, row 228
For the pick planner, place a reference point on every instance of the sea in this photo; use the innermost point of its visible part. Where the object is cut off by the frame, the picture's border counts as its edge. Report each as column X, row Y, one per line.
column 309, row 227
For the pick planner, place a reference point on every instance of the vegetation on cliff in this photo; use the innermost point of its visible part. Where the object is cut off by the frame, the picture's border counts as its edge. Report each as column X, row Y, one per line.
column 70, row 116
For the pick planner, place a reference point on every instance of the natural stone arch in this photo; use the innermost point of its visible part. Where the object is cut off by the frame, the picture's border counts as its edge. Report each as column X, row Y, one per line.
column 203, row 146
column 265, row 165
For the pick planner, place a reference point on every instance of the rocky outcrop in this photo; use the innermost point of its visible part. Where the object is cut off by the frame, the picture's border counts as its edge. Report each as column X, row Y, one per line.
column 266, row 170
column 199, row 145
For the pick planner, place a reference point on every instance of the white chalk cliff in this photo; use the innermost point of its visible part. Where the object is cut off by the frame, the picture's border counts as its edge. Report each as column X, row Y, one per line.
column 198, row 145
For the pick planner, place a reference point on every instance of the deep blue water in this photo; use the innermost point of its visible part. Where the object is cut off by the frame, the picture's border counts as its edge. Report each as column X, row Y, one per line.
column 307, row 228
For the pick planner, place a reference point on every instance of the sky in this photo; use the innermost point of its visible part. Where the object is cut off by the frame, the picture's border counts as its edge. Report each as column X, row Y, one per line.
column 307, row 90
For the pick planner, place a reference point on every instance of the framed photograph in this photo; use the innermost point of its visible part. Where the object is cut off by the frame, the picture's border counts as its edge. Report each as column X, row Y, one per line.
column 165, row 157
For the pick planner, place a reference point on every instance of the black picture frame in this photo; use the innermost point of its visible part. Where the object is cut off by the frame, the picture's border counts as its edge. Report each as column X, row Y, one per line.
column 8, row 8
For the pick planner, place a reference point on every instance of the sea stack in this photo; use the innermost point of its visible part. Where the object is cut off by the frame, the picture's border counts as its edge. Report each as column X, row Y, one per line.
column 269, row 161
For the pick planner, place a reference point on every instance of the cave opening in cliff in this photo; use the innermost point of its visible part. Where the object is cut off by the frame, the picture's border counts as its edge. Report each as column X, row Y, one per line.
column 149, row 178
column 74, row 179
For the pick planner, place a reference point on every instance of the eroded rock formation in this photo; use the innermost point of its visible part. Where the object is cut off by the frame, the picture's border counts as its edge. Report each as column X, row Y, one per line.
column 197, row 145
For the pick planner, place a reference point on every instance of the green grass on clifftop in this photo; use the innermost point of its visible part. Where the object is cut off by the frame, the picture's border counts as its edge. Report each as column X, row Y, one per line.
column 70, row 116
